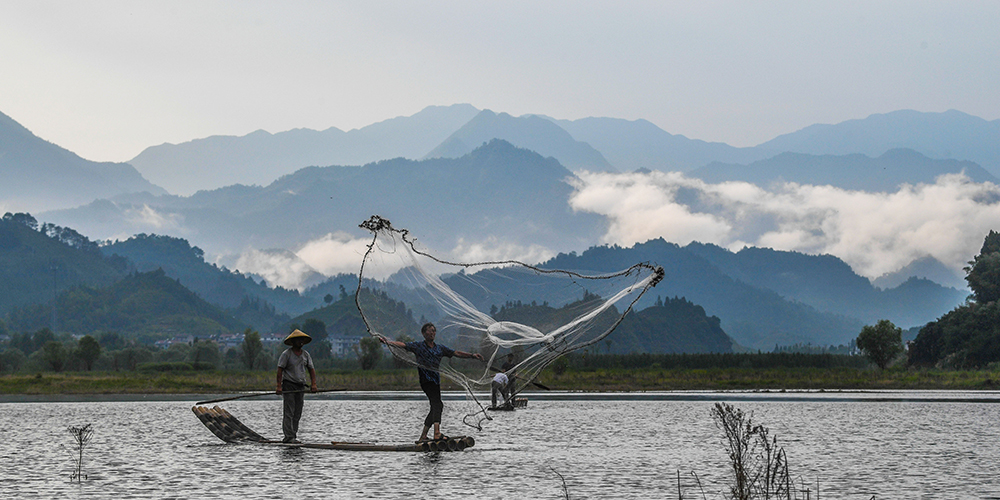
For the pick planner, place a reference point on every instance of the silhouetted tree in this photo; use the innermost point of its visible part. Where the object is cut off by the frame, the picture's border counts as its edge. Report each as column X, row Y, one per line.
column 983, row 272
column 881, row 343
column 22, row 218
column 40, row 338
column 111, row 341
column 88, row 350
column 251, row 349
column 369, row 352
column 54, row 355
column 315, row 328
column 205, row 353
column 11, row 359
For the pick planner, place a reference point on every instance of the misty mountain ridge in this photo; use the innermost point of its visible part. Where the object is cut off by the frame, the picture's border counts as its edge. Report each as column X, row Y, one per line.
column 496, row 191
column 766, row 297
column 639, row 144
column 948, row 135
column 762, row 297
column 219, row 286
column 926, row 268
column 259, row 158
column 209, row 214
column 853, row 172
column 529, row 132
column 38, row 175
column 596, row 144
column 829, row 284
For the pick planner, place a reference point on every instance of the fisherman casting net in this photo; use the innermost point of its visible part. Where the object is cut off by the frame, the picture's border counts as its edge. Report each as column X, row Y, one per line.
column 508, row 311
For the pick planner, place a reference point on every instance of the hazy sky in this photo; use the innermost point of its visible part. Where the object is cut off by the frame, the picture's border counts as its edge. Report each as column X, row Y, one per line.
column 107, row 79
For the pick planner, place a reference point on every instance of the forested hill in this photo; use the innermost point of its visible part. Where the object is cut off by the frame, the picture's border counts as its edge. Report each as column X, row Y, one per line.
column 829, row 284
column 39, row 261
column 673, row 326
column 146, row 306
column 341, row 318
column 219, row 286
column 753, row 317
column 765, row 297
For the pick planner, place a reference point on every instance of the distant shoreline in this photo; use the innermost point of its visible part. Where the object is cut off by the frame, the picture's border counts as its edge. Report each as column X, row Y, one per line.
column 402, row 383
column 821, row 395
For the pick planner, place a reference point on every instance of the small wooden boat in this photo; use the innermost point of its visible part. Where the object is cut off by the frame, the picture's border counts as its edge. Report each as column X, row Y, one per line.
column 510, row 406
column 229, row 429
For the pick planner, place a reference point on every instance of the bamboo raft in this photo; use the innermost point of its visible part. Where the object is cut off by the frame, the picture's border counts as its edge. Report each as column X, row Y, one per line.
column 229, row 429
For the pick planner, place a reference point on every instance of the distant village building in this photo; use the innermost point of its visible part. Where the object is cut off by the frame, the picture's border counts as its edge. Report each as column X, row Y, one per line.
column 179, row 339
column 342, row 347
column 272, row 338
column 227, row 341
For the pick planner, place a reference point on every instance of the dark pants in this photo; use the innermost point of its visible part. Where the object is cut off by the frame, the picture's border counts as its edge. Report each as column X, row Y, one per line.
column 433, row 392
column 292, row 408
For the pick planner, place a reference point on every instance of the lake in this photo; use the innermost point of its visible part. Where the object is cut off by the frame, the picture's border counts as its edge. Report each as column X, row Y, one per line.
column 846, row 445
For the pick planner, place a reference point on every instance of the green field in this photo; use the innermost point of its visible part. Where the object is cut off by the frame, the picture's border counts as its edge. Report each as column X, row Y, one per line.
column 587, row 380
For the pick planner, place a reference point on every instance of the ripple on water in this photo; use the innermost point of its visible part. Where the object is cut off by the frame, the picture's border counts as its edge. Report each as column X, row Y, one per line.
column 602, row 449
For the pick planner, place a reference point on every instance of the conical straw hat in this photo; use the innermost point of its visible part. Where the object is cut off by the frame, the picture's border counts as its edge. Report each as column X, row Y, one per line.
column 298, row 334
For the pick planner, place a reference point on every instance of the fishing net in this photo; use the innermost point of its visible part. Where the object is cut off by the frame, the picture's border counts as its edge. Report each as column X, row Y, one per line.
column 520, row 317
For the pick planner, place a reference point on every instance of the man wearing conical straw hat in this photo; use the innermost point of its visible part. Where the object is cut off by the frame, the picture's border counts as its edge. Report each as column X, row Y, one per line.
column 292, row 367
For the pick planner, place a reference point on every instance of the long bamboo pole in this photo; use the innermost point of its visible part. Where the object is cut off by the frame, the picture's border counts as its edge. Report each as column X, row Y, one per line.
column 256, row 394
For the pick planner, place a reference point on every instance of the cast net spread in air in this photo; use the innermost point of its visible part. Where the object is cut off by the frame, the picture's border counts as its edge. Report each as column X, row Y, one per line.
column 520, row 317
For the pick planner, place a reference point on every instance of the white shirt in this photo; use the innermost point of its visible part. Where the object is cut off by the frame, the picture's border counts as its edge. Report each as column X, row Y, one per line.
column 500, row 378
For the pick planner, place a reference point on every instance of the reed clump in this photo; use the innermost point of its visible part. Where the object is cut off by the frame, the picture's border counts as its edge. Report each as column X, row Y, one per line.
column 81, row 437
column 759, row 466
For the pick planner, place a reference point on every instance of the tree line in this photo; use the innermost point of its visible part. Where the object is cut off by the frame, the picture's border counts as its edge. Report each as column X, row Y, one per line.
column 968, row 337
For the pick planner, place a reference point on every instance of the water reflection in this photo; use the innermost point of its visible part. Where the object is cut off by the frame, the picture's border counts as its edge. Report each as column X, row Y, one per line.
column 854, row 447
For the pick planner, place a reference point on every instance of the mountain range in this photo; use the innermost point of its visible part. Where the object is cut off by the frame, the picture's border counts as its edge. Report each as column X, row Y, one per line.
column 37, row 175
column 260, row 157
column 40, row 176
column 760, row 298
column 459, row 177
column 596, row 144
column 496, row 190
column 856, row 172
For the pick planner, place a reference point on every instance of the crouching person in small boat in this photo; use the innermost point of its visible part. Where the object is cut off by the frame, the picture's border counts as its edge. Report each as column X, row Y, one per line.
column 499, row 387
column 293, row 364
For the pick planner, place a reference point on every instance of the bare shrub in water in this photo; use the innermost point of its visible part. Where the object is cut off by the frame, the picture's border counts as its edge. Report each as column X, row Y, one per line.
column 759, row 465
column 81, row 435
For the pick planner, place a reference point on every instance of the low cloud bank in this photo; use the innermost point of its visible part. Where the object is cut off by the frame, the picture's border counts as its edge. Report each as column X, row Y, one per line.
column 875, row 233
column 334, row 253
column 495, row 250
column 278, row 267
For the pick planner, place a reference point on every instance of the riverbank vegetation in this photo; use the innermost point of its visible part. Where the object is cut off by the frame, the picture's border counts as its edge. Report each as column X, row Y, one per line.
column 597, row 374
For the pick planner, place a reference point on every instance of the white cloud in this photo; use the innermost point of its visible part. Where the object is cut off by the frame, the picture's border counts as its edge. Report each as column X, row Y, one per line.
column 642, row 207
column 493, row 250
column 277, row 267
column 148, row 217
column 874, row 233
column 334, row 253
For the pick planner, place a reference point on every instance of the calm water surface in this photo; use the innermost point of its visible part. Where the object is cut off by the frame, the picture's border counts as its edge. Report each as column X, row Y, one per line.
column 855, row 445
